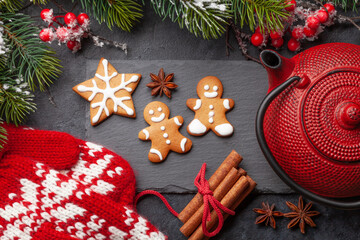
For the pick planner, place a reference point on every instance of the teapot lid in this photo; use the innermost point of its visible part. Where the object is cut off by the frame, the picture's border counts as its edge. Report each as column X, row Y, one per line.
column 331, row 115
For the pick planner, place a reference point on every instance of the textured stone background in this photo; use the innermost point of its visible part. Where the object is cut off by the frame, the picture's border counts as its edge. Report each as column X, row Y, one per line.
column 154, row 39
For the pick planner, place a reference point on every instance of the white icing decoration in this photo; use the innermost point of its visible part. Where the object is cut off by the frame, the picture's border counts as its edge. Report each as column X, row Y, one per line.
column 211, row 113
column 151, row 112
column 226, row 103
column 159, row 118
column 197, row 104
column 196, row 127
column 206, row 87
column 210, row 94
column 211, row 107
column 182, row 144
column 211, row 120
column 224, row 129
column 162, row 128
column 176, row 120
column 168, row 142
column 157, row 152
column 166, row 135
column 109, row 92
column 146, row 133
column 159, row 109
column 215, row 88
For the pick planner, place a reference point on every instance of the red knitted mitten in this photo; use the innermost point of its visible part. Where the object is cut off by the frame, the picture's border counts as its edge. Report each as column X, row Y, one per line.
column 58, row 150
column 93, row 165
column 37, row 202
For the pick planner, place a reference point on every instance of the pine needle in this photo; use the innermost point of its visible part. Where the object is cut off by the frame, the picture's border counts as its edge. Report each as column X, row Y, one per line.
column 122, row 13
column 28, row 55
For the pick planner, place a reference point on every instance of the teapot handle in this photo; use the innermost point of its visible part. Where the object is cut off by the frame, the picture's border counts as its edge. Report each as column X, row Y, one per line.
column 332, row 202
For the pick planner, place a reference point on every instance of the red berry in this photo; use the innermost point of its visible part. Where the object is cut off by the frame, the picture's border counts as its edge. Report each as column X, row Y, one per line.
column 309, row 32
column 63, row 34
column 70, row 19
column 322, row 15
column 298, row 32
column 257, row 39
column 47, row 35
column 74, row 45
column 313, row 22
column 83, row 19
column 47, row 15
column 293, row 45
column 292, row 7
column 275, row 34
column 330, row 8
column 76, row 33
column 277, row 43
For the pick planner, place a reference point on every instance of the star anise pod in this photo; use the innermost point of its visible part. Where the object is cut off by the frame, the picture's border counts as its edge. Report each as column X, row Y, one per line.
column 161, row 84
column 267, row 214
column 301, row 214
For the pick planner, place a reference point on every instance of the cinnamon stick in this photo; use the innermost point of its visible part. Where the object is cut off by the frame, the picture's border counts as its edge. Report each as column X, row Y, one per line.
column 234, row 197
column 232, row 160
column 252, row 185
column 190, row 226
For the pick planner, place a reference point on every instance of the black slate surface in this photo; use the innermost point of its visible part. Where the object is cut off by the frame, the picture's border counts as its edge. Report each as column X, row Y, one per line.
column 243, row 81
column 154, row 39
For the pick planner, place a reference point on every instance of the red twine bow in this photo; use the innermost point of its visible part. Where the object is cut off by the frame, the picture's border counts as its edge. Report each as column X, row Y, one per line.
column 204, row 189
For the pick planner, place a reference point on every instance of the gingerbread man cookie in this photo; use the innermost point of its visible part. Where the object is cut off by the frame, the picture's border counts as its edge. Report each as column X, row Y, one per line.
column 109, row 92
column 163, row 132
column 210, row 109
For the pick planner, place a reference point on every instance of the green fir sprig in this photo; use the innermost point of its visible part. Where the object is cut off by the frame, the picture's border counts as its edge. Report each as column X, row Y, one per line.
column 267, row 14
column 122, row 13
column 29, row 57
column 202, row 18
column 26, row 63
column 345, row 4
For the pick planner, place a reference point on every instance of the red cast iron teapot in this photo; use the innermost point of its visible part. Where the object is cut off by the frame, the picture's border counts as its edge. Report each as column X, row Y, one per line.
column 308, row 126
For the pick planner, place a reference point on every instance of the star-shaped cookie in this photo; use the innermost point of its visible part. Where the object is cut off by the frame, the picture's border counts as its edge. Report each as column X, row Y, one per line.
column 109, row 92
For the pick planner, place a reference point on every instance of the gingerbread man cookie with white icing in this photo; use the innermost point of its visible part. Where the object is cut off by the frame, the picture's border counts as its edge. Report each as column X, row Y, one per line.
column 210, row 109
column 163, row 132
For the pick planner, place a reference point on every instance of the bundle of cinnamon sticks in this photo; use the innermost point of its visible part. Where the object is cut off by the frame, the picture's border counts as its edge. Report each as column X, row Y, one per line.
column 230, row 186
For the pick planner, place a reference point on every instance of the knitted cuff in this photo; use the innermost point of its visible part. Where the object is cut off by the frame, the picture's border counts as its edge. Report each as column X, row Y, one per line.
column 56, row 149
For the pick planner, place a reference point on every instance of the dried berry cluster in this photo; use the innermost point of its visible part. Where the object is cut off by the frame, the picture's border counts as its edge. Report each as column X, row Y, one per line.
column 314, row 23
column 71, row 32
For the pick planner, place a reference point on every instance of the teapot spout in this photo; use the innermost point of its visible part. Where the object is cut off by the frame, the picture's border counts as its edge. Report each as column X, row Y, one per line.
column 278, row 67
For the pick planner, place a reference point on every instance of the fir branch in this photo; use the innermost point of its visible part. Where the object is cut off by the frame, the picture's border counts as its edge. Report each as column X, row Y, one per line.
column 16, row 5
column 269, row 14
column 122, row 13
column 16, row 100
column 345, row 4
column 31, row 57
column 206, row 18
column 10, row 5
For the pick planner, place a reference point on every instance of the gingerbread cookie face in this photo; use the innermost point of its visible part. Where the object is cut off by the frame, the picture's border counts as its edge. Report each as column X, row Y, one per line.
column 163, row 132
column 109, row 92
column 210, row 109
column 209, row 87
column 156, row 112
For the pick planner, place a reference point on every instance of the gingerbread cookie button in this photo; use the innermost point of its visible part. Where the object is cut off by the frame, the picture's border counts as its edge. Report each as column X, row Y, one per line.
column 109, row 92
column 163, row 132
column 210, row 109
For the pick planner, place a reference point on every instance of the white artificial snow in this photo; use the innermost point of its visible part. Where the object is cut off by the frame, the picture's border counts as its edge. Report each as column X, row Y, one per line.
column 3, row 48
column 210, row 4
